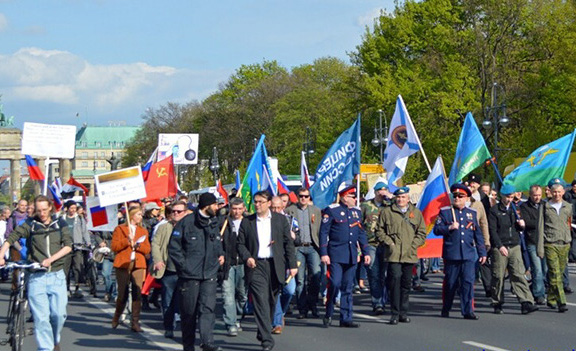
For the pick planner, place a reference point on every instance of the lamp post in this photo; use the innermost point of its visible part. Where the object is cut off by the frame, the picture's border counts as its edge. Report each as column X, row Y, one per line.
column 309, row 144
column 496, row 117
column 381, row 135
column 214, row 164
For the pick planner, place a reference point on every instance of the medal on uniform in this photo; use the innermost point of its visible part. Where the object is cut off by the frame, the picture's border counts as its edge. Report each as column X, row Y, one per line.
column 469, row 215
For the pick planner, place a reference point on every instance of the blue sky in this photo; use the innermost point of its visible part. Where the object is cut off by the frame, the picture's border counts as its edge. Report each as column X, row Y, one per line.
column 110, row 60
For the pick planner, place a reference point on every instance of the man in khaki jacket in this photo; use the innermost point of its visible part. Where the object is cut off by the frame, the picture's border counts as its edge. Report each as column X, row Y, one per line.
column 554, row 239
column 402, row 229
column 164, row 267
column 486, row 268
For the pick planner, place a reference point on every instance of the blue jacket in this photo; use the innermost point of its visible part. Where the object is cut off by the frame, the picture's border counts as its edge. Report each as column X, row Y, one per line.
column 460, row 244
column 341, row 233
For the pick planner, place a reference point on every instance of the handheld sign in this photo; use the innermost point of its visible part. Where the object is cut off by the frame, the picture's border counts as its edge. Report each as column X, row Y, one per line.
column 120, row 186
column 50, row 140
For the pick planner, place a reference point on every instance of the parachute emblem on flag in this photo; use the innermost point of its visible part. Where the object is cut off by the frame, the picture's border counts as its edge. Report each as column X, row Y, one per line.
column 399, row 136
column 536, row 160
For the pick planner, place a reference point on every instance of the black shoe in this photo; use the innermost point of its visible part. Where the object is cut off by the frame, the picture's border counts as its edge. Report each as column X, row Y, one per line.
column 528, row 307
column 498, row 309
column 488, row 293
column 378, row 310
column 418, row 288
column 404, row 319
column 568, row 290
column 424, row 278
column 210, row 347
column 315, row 314
column 562, row 308
column 393, row 320
column 327, row 321
column 551, row 306
column 364, row 290
column 349, row 325
column 471, row 316
column 445, row 314
column 169, row 334
column 541, row 301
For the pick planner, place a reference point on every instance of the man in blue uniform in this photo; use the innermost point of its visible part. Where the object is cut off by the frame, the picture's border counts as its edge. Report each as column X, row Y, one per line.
column 463, row 243
column 341, row 234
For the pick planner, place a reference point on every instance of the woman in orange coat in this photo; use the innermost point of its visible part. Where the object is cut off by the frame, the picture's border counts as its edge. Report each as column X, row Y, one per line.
column 130, row 264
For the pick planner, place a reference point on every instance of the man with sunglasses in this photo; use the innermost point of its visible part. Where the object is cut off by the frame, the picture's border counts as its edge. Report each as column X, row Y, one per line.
column 341, row 235
column 308, row 278
column 463, row 242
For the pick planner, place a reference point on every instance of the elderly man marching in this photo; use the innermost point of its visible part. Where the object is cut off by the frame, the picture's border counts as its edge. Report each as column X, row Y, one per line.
column 463, row 243
column 554, row 239
column 401, row 228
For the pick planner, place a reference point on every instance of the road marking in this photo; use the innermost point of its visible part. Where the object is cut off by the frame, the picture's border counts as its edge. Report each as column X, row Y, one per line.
column 154, row 336
column 483, row 346
column 571, row 304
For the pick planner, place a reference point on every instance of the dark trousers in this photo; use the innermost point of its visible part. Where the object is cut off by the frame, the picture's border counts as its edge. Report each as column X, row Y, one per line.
column 458, row 275
column 197, row 300
column 264, row 287
column 399, row 281
column 341, row 279
column 486, row 274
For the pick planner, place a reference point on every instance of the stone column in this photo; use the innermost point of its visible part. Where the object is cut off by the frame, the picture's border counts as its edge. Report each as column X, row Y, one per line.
column 65, row 168
column 15, row 180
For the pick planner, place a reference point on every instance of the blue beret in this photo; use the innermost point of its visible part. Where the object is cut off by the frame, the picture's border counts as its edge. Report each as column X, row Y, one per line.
column 380, row 185
column 556, row 181
column 507, row 189
column 402, row 190
column 460, row 188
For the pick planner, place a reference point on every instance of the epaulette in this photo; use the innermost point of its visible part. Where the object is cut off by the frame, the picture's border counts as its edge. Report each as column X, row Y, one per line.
column 445, row 208
column 334, row 206
column 473, row 209
column 356, row 208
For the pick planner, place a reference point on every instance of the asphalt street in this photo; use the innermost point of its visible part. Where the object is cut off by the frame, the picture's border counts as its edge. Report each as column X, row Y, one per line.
column 88, row 328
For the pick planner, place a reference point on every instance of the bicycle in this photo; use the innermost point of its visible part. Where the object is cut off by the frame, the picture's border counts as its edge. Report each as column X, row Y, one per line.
column 89, row 269
column 19, row 304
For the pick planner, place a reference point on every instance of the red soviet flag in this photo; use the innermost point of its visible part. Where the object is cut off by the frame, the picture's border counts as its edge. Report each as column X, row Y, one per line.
column 161, row 180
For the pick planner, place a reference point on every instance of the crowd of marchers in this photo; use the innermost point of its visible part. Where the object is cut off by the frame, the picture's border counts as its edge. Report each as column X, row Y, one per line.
column 291, row 258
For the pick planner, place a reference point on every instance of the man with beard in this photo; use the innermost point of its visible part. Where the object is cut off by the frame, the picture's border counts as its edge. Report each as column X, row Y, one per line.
column 196, row 251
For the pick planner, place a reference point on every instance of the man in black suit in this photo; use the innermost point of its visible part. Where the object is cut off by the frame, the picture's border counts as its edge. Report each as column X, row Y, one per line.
column 266, row 247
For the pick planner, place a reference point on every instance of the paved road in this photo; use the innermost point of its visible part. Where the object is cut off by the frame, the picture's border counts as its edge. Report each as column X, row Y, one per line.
column 88, row 328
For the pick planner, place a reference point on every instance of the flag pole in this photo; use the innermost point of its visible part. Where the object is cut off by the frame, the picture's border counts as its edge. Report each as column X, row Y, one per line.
column 46, row 169
column 448, row 188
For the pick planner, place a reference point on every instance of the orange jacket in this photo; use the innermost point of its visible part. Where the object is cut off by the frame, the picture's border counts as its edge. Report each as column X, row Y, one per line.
column 121, row 246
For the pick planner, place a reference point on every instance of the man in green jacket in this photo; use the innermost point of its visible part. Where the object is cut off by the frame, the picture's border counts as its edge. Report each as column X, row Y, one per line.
column 554, row 239
column 402, row 229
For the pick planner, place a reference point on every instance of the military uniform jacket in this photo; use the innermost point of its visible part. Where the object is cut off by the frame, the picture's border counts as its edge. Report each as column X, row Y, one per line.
column 402, row 233
column 460, row 244
column 341, row 233
column 370, row 214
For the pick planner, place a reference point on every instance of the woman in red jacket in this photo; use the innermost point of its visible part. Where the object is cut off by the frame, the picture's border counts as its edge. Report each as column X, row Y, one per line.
column 130, row 264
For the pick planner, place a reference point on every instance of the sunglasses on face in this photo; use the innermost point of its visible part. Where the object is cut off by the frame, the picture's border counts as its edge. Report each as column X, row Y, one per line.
column 178, row 211
column 459, row 195
column 304, row 196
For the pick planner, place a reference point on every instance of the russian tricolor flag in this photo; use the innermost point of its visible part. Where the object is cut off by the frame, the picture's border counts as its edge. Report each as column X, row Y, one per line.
column 148, row 165
column 434, row 196
column 304, row 175
column 33, row 169
column 282, row 187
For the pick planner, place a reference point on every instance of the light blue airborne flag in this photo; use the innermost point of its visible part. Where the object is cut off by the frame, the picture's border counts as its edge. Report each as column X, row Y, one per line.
column 254, row 177
column 340, row 163
column 546, row 162
column 471, row 151
column 402, row 142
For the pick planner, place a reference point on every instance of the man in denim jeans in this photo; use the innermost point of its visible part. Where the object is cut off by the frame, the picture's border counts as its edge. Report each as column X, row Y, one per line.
column 48, row 241
column 530, row 211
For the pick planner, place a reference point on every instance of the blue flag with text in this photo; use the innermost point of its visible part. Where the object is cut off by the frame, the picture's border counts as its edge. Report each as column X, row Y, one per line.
column 340, row 163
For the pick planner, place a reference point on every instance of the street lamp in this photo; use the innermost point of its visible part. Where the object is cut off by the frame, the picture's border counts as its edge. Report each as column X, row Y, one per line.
column 496, row 117
column 309, row 144
column 381, row 135
column 214, row 164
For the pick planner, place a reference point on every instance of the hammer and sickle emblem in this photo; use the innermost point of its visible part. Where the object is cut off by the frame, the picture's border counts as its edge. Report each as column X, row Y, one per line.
column 160, row 172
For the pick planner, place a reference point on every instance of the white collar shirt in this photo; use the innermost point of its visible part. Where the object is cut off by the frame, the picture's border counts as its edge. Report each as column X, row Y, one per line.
column 264, row 230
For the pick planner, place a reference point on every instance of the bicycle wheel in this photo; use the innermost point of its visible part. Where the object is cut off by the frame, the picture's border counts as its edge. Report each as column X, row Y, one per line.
column 18, row 332
column 10, row 313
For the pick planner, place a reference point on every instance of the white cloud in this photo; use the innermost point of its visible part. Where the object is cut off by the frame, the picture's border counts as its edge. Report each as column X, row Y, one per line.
column 3, row 23
column 368, row 18
column 66, row 81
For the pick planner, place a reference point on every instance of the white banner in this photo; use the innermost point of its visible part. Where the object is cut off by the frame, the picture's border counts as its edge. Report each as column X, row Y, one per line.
column 184, row 147
column 120, row 186
column 101, row 218
column 50, row 140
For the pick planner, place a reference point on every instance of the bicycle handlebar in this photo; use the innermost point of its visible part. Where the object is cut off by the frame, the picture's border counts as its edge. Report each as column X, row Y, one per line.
column 33, row 266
